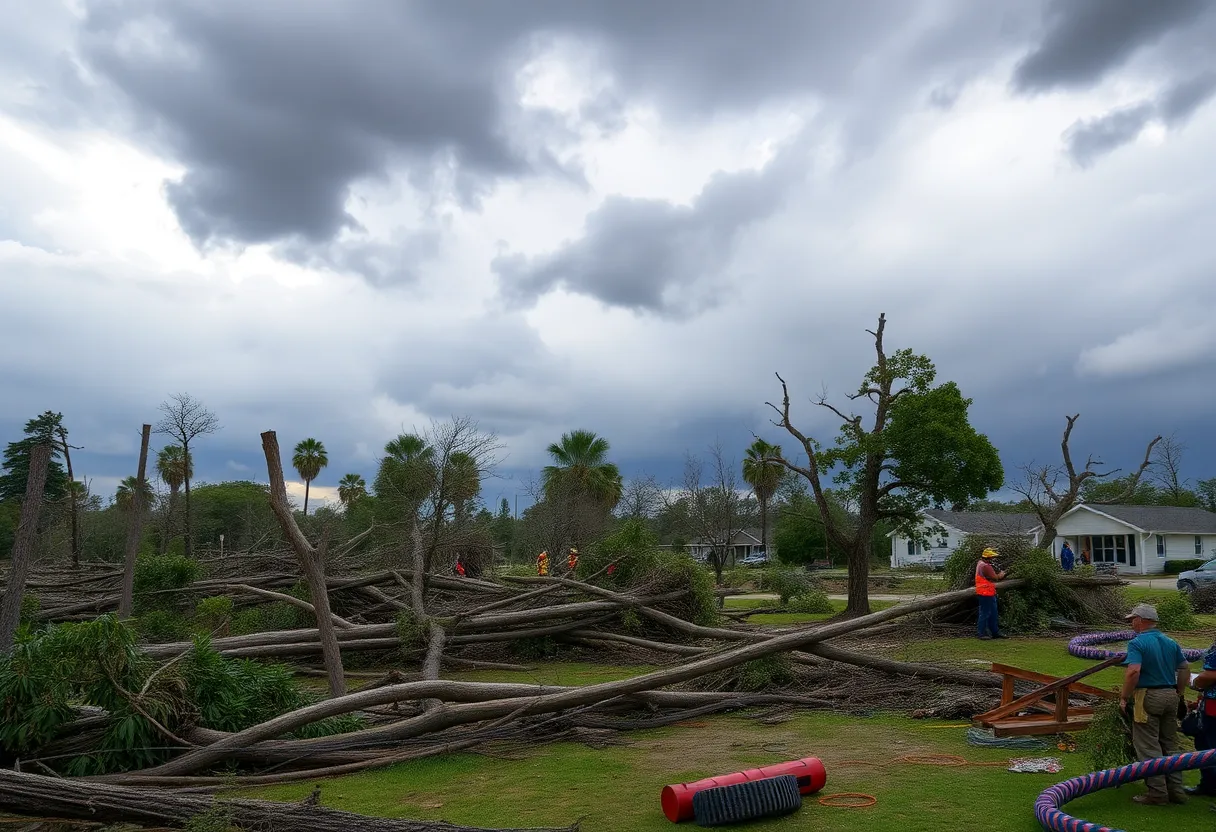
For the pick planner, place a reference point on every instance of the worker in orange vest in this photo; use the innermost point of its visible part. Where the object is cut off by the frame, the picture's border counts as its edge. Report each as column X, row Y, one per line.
column 986, row 577
column 542, row 564
column 572, row 559
column 459, row 566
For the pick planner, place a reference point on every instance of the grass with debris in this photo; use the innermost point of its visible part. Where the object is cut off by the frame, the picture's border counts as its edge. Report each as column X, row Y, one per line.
column 617, row 789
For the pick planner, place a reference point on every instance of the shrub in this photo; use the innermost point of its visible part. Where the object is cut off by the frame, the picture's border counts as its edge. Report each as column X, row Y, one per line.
column 30, row 606
column 1203, row 600
column 156, row 574
column 786, row 582
column 811, row 602
column 159, row 626
column 1174, row 567
column 762, row 674
column 1174, row 612
column 741, row 576
column 410, row 631
column 1108, row 743
column 214, row 614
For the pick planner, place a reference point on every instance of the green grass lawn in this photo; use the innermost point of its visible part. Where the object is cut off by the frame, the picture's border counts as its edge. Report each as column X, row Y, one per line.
column 781, row 619
column 617, row 789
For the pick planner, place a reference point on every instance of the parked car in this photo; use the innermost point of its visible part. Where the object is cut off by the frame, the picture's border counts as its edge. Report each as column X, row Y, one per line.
column 1193, row 579
column 758, row 559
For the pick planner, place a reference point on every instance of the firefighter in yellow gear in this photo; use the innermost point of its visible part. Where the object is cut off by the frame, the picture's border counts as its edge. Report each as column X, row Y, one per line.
column 572, row 559
column 542, row 564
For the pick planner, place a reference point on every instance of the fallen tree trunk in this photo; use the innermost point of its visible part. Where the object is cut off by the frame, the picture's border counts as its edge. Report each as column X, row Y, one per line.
column 33, row 794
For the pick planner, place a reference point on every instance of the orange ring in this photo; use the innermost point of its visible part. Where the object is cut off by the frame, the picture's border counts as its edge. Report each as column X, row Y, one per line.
column 869, row 798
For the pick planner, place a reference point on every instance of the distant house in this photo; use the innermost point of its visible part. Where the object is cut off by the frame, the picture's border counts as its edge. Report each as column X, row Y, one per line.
column 1137, row 539
column 743, row 543
column 943, row 532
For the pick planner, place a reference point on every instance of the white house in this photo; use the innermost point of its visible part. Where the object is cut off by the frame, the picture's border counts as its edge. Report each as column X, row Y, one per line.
column 1137, row 539
column 745, row 542
column 944, row 531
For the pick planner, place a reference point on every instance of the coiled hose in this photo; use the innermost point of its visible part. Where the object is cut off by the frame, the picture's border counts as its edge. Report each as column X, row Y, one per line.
column 1047, row 808
column 1082, row 646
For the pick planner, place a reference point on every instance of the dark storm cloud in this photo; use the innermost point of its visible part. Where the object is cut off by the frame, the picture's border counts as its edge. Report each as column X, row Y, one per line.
column 275, row 109
column 652, row 255
column 1089, row 139
column 1085, row 39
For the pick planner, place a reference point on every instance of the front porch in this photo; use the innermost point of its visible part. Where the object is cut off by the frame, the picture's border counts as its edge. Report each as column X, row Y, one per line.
column 1122, row 551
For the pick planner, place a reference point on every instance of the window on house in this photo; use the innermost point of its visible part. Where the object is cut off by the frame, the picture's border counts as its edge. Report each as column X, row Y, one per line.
column 1160, row 545
column 1110, row 549
column 912, row 547
column 1198, row 545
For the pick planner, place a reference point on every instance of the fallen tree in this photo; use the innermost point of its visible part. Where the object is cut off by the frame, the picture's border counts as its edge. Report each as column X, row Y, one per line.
column 32, row 794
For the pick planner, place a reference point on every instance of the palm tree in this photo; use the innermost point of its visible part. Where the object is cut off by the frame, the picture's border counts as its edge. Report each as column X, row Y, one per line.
column 174, row 466
column 308, row 460
column 463, row 482
column 124, row 496
column 407, row 471
column 582, row 468
column 763, row 477
column 351, row 489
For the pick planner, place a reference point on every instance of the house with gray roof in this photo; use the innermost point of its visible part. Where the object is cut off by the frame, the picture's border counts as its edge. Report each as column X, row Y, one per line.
column 943, row 531
column 1138, row 540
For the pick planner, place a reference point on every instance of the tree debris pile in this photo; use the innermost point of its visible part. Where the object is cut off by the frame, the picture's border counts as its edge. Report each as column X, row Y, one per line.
column 1047, row 599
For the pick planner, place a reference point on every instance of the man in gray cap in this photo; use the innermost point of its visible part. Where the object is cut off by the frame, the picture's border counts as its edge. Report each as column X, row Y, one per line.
column 1155, row 683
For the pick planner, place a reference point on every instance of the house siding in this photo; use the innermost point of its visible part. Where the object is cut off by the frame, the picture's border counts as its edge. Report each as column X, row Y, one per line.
column 1182, row 546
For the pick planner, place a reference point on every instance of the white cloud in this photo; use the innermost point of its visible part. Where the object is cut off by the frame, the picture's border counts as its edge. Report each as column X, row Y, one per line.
column 1178, row 341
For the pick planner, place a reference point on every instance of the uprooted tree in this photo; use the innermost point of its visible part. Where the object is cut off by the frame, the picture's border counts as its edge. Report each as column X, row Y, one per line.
column 1053, row 490
column 918, row 450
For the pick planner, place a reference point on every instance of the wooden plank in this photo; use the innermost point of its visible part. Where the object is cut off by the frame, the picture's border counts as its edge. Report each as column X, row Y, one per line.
column 1072, row 726
column 1043, row 678
column 1061, row 698
column 1023, row 702
column 1007, row 691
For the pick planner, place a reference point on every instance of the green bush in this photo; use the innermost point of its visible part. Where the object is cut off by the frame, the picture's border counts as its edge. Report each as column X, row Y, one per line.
column 214, row 613
column 643, row 568
column 160, row 626
column 1108, row 742
column 157, row 573
column 763, row 674
column 786, row 582
column 741, row 576
column 30, row 606
column 1174, row 612
column 811, row 602
column 1174, row 567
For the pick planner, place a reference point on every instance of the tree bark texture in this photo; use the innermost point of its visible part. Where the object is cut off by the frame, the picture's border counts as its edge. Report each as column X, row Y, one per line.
column 135, row 529
column 23, row 546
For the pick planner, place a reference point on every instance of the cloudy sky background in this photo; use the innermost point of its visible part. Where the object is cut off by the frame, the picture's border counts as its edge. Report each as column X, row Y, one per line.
column 342, row 219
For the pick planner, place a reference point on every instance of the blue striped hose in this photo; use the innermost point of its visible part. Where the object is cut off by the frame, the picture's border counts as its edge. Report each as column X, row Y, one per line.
column 1082, row 648
column 1047, row 808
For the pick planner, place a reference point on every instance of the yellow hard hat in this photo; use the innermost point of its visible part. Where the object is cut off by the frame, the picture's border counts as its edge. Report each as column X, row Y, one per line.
column 991, row 553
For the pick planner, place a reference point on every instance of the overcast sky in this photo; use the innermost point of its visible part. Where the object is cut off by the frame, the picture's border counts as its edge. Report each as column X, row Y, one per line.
column 343, row 218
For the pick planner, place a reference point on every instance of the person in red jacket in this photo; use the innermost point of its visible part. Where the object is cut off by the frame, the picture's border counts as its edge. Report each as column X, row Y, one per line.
column 572, row 560
column 986, row 577
column 459, row 566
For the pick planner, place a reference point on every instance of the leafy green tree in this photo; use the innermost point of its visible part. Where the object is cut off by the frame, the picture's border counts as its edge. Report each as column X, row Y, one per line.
column 351, row 489
column 238, row 509
column 581, row 465
column 1206, row 491
column 582, row 482
column 41, row 430
column 918, row 451
column 308, row 460
column 763, row 475
column 174, row 466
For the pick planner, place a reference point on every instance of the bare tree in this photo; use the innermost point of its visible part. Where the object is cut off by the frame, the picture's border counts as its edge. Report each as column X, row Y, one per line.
column 135, row 529
column 186, row 419
column 463, row 455
column 23, row 545
column 312, row 564
column 716, row 510
column 1052, row 490
column 641, row 499
column 1167, row 471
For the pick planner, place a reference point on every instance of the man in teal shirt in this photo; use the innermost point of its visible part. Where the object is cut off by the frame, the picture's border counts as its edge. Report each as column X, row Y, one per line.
column 1156, row 680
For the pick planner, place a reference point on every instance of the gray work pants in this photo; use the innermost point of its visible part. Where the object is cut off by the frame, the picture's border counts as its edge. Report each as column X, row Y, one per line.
column 1158, row 738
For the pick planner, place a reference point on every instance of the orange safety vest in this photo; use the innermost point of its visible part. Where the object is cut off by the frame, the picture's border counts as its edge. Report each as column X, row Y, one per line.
column 542, row 564
column 572, row 560
column 983, row 586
